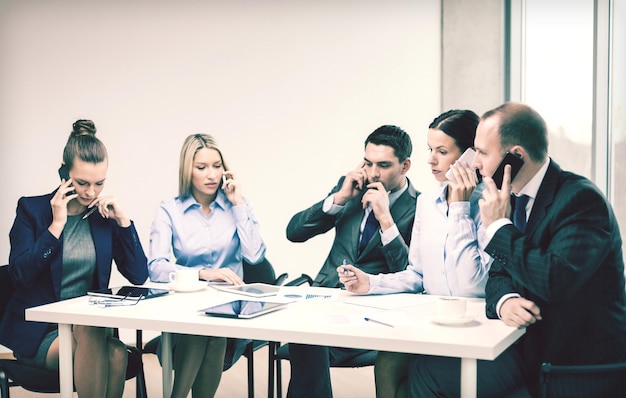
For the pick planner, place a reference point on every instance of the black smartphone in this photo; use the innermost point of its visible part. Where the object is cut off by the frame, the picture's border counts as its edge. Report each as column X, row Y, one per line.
column 64, row 174
column 128, row 292
column 516, row 164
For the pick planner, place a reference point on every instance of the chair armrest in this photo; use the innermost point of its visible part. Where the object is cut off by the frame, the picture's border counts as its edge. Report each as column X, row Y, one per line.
column 281, row 279
column 302, row 279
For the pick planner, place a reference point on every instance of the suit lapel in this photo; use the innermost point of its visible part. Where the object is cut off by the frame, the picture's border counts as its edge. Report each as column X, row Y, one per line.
column 544, row 199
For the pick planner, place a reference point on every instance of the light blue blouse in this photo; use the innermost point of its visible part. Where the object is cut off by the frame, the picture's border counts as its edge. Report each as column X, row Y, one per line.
column 446, row 255
column 219, row 240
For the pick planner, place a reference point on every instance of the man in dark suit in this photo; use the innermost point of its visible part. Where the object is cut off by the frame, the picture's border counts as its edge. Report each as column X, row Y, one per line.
column 558, row 271
column 372, row 210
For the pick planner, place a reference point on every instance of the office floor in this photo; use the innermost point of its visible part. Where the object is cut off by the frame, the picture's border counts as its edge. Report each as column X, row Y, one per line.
column 349, row 383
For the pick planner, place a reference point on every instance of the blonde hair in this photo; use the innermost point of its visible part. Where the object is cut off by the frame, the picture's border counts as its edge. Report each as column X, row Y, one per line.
column 191, row 146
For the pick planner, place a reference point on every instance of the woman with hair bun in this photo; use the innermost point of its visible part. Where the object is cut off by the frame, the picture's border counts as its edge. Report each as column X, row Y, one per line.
column 62, row 245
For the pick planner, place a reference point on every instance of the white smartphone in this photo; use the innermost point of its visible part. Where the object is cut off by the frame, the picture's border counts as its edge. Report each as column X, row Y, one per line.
column 467, row 157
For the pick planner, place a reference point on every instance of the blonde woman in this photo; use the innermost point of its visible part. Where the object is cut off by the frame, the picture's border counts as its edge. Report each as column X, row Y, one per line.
column 209, row 227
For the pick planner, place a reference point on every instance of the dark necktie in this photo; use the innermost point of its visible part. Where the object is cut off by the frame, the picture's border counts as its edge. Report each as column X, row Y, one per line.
column 519, row 214
column 371, row 225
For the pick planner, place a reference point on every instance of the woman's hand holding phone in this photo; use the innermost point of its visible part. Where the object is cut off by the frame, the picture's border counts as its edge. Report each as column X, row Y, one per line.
column 464, row 184
column 232, row 189
column 466, row 158
column 58, row 203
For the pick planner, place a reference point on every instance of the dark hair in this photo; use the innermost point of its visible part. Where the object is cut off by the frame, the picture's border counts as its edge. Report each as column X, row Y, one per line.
column 394, row 137
column 459, row 124
column 521, row 125
column 84, row 144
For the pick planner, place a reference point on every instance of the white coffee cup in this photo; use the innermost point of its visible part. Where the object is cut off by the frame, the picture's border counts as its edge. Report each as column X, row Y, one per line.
column 451, row 307
column 184, row 278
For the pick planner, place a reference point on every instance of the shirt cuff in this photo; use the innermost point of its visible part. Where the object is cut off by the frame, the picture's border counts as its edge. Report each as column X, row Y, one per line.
column 459, row 208
column 374, row 283
column 495, row 226
column 390, row 234
column 502, row 300
column 329, row 207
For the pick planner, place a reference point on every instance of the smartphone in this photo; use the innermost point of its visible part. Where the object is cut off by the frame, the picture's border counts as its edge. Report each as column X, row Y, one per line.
column 122, row 292
column 64, row 174
column 516, row 164
column 466, row 157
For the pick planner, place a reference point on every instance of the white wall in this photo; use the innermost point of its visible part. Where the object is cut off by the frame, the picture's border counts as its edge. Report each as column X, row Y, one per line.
column 289, row 88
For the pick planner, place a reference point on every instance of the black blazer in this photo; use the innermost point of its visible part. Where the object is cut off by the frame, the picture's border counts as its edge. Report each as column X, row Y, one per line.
column 35, row 265
column 375, row 258
column 569, row 262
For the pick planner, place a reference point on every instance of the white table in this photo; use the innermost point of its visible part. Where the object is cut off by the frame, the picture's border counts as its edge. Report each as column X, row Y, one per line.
column 320, row 322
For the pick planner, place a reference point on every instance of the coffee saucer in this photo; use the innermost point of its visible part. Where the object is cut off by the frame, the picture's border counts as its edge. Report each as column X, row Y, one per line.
column 194, row 287
column 447, row 320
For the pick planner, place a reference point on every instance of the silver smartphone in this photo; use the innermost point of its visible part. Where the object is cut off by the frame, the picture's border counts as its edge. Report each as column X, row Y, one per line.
column 467, row 157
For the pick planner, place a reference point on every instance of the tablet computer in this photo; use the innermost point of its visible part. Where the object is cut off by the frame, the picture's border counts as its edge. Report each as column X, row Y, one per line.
column 250, row 289
column 122, row 292
column 243, row 309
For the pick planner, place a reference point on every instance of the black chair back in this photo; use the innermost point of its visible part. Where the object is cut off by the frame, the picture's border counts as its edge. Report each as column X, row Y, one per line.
column 607, row 380
column 261, row 273
column 6, row 288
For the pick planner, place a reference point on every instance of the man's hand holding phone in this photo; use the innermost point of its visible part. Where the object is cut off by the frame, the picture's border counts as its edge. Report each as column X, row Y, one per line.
column 496, row 203
column 354, row 182
column 515, row 163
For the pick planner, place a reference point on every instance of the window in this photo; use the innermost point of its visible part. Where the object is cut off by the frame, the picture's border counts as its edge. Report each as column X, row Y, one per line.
column 558, row 76
column 618, row 114
column 562, row 54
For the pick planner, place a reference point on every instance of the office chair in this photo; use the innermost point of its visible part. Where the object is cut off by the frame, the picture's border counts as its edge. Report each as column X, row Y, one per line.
column 16, row 374
column 258, row 273
column 606, row 380
column 280, row 352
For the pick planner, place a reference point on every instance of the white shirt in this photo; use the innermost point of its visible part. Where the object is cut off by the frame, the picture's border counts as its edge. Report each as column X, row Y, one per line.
column 446, row 255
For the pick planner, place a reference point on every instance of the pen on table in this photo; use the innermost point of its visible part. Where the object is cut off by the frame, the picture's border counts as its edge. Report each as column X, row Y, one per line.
column 90, row 212
column 379, row 322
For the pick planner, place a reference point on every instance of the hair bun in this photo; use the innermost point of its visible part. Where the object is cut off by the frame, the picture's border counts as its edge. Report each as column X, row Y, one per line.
column 83, row 127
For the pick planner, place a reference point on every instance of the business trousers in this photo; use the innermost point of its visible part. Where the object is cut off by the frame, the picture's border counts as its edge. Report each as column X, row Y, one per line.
column 310, row 369
column 432, row 376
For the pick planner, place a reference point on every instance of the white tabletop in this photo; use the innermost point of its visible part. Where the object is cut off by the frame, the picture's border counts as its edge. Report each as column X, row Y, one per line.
column 339, row 321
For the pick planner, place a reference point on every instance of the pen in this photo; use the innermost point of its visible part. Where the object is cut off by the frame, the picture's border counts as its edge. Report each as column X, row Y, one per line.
column 90, row 212
column 345, row 262
column 379, row 322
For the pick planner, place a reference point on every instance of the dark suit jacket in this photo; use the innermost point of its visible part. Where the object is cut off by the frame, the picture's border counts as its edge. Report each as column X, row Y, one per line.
column 35, row 265
column 569, row 262
column 375, row 258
